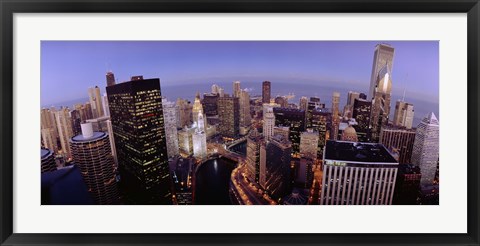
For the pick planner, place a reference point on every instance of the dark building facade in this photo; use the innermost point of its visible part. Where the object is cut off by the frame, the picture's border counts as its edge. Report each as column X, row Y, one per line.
column 138, row 127
column 229, row 115
column 295, row 120
column 278, row 167
column 407, row 188
column 266, row 90
column 361, row 113
column 110, row 79
column 210, row 104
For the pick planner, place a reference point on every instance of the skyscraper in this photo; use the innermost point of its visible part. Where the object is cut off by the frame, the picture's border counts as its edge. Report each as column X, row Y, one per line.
column 139, row 131
column 403, row 114
column 425, row 152
column 236, row 89
column 254, row 141
column 304, row 103
column 95, row 101
column 380, row 103
column 278, row 171
column 399, row 140
column 268, row 123
column 245, row 117
column 357, row 174
column 65, row 131
column 110, row 78
column 309, row 144
column 199, row 139
column 266, row 90
column 335, row 115
column 184, row 112
column 320, row 121
column 170, row 117
column 229, row 115
column 197, row 107
column 361, row 113
column 106, row 111
column 382, row 56
column 295, row 120
column 92, row 154
column 210, row 104
column 49, row 130
column 348, row 109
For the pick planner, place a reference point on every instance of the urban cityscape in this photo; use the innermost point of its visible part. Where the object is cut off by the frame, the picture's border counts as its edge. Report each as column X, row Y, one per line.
column 137, row 141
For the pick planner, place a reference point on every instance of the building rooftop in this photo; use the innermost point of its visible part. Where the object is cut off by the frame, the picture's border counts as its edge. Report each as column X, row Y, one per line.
column 358, row 152
column 45, row 153
column 65, row 187
column 81, row 138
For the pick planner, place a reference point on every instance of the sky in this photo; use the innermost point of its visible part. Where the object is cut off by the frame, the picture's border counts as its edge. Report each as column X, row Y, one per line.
column 69, row 68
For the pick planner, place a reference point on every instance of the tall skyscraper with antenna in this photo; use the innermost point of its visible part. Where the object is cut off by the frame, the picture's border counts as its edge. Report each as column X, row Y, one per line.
column 110, row 78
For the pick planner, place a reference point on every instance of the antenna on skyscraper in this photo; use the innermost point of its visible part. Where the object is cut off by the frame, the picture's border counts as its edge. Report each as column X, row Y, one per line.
column 404, row 88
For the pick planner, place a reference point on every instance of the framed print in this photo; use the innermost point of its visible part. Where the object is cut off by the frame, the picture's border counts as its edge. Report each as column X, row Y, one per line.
column 274, row 122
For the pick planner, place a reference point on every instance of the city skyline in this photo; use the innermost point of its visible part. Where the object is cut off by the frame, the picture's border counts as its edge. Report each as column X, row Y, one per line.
column 233, row 145
column 72, row 66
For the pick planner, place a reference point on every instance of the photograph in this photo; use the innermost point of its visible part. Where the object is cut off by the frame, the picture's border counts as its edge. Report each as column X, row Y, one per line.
column 249, row 122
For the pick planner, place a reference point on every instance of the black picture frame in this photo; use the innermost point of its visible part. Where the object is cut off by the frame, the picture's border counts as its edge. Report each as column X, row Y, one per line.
column 10, row 7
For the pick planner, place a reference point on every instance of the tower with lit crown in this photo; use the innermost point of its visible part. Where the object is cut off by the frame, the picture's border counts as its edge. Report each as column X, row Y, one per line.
column 381, row 103
column 200, row 139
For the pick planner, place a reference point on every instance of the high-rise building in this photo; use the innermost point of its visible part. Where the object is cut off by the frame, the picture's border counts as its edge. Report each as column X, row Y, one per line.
column 304, row 103
column 49, row 130
column 106, row 111
column 185, row 109
column 398, row 140
column 407, row 187
column 95, row 101
column 335, row 115
column 266, row 90
column 268, row 123
column 110, row 78
column 210, row 104
column 382, row 56
column 75, row 117
column 295, row 120
column 425, row 153
column 381, row 103
column 92, row 153
column 112, row 142
column 348, row 109
column 229, row 115
column 278, row 171
column 245, row 116
column 65, row 131
column 139, row 131
column 403, row 114
column 185, row 140
column 197, row 107
column 254, row 141
column 361, row 113
column 215, row 89
column 357, row 174
column 236, row 89
column 48, row 160
column 309, row 144
column 170, row 117
column 320, row 121
column 199, row 139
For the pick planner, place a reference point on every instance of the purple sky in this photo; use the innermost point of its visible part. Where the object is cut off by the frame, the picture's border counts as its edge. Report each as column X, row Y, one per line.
column 68, row 68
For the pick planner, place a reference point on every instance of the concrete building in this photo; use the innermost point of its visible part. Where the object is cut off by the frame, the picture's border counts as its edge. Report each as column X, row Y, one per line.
column 425, row 153
column 383, row 54
column 309, row 144
column 170, row 117
column 399, row 140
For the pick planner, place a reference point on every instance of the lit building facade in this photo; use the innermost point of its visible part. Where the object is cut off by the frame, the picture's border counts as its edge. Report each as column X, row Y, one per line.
column 229, row 115
column 199, row 139
column 170, row 117
column 95, row 101
column 65, row 131
column 139, row 131
column 309, row 144
column 399, row 140
column 92, row 154
column 294, row 119
column 254, row 143
column 357, row 174
column 319, row 120
column 210, row 104
column 425, row 153
column 335, row 115
column 245, row 116
column 361, row 113
column 268, row 123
